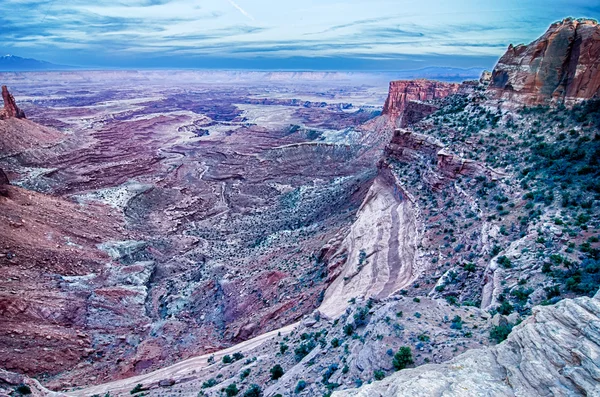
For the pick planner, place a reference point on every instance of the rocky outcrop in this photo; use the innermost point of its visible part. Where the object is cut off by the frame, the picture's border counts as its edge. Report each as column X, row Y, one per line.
column 12, row 384
column 11, row 110
column 410, row 146
column 560, row 66
column 552, row 353
column 3, row 183
column 403, row 93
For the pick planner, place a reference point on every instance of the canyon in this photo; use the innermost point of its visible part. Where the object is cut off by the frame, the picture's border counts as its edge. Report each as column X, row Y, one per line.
column 186, row 233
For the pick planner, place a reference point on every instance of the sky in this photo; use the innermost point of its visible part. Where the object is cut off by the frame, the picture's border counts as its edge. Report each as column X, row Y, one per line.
column 277, row 34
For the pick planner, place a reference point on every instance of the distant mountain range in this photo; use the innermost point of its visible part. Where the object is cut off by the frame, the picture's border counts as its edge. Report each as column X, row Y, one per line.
column 440, row 73
column 12, row 63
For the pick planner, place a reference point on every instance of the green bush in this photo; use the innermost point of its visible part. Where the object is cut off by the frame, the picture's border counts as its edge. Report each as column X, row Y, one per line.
column 402, row 358
column 457, row 323
column 378, row 374
column 504, row 262
column 209, row 383
column 348, row 329
column 245, row 373
column 500, row 332
column 277, row 372
column 253, row 391
column 24, row 389
column 231, row 390
column 138, row 388
column 303, row 349
column 301, row 385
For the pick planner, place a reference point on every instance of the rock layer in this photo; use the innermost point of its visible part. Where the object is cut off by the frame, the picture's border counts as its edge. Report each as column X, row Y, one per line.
column 562, row 65
column 409, row 95
column 552, row 353
column 11, row 110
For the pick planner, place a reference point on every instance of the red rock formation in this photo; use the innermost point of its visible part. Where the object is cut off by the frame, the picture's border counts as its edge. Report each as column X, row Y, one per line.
column 403, row 92
column 562, row 65
column 11, row 110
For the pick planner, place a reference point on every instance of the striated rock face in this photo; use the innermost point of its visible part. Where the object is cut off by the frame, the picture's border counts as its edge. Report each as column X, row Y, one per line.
column 3, row 182
column 403, row 94
column 11, row 110
column 552, row 353
column 410, row 146
column 562, row 65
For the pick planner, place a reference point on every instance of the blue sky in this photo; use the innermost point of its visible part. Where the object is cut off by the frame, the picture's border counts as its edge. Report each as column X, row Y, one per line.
column 276, row 34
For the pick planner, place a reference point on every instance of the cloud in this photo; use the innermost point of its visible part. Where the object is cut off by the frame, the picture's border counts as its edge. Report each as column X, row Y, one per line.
column 80, row 31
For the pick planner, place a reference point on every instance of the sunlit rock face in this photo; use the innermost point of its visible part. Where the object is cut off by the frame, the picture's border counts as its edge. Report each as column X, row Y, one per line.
column 11, row 110
column 406, row 99
column 562, row 65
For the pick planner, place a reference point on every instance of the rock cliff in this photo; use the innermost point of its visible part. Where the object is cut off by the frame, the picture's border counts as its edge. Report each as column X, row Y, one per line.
column 562, row 65
column 11, row 110
column 405, row 99
column 552, row 353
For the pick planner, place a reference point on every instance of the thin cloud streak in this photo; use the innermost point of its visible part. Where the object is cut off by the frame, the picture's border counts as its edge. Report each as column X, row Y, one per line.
column 240, row 9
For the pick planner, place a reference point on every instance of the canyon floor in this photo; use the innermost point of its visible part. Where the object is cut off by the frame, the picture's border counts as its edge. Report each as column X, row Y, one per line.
column 204, row 200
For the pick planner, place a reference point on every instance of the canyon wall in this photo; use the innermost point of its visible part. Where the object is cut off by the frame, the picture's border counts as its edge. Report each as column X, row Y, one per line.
column 562, row 65
column 406, row 99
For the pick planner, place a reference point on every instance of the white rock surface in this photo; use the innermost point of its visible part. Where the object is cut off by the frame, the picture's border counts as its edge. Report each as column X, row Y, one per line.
column 555, row 352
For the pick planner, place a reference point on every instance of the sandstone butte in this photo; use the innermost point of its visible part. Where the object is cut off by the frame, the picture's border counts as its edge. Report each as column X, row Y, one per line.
column 10, row 110
column 562, row 65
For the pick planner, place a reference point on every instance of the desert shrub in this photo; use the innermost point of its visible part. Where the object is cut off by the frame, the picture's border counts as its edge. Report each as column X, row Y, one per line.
column 283, row 348
column 303, row 349
column 500, row 332
column 505, row 308
column 138, row 388
column 329, row 372
column 361, row 316
column 378, row 374
column 522, row 294
column 277, row 372
column 245, row 373
column 504, row 262
column 253, row 391
column 348, row 329
column 301, row 385
column 457, row 323
column 23, row 389
column 209, row 383
column 402, row 358
column 231, row 390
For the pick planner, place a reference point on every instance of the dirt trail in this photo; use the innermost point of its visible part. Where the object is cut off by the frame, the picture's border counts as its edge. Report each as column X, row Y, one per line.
column 184, row 369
